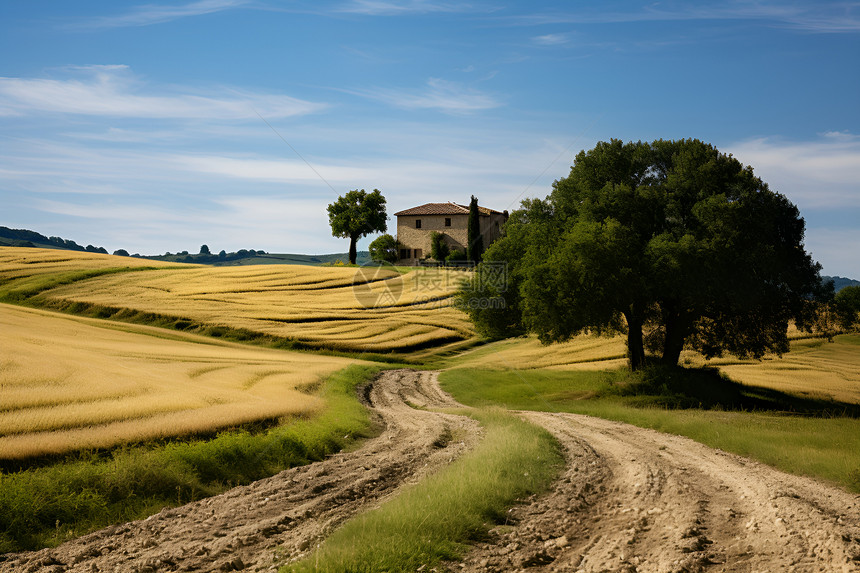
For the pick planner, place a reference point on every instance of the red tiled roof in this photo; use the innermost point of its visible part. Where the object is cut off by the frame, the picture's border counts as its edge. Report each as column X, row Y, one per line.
column 442, row 209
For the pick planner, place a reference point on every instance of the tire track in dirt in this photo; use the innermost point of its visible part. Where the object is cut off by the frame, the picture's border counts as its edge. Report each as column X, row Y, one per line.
column 637, row 501
column 279, row 519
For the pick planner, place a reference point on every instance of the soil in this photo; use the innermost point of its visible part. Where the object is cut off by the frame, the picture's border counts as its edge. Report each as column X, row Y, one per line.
column 638, row 501
column 279, row 519
column 629, row 500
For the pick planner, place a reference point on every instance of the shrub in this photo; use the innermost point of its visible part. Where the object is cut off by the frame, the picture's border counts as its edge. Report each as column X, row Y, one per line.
column 456, row 255
column 439, row 249
column 384, row 249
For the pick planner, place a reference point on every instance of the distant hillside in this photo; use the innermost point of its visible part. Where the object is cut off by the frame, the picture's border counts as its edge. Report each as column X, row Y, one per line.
column 840, row 283
column 24, row 238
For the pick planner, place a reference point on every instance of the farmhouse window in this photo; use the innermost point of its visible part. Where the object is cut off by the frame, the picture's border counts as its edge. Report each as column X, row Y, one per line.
column 404, row 253
column 418, row 253
column 417, row 223
column 447, row 221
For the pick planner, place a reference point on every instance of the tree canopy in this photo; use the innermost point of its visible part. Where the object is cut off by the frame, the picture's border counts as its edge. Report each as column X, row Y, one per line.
column 384, row 249
column 357, row 214
column 672, row 241
column 846, row 304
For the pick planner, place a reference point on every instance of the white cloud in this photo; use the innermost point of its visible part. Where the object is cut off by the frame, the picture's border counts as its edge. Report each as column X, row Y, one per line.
column 439, row 94
column 551, row 39
column 817, row 17
column 272, row 170
column 111, row 91
column 149, row 14
column 820, row 177
column 237, row 186
column 394, row 8
column 814, row 174
column 839, row 135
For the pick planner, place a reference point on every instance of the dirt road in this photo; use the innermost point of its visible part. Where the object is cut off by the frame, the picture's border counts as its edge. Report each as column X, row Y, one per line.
column 630, row 500
column 634, row 500
column 259, row 526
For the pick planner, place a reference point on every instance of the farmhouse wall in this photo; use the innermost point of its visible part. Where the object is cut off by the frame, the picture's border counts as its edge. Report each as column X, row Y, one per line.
column 415, row 240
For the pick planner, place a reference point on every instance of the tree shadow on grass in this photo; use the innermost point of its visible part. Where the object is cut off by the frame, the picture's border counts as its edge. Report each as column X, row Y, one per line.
column 676, row 388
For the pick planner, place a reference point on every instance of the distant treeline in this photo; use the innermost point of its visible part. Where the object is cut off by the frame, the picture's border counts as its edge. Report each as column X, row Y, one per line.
column 204, row 256
column 26, row 238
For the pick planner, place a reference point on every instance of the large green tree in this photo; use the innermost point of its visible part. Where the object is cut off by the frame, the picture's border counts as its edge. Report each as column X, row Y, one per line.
column 357, row 214
column 673, row 242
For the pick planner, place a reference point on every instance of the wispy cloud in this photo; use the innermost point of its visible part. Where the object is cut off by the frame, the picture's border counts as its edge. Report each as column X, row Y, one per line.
column 439, row 94
column 272, row 170
column 148, row 14
column 821, row 17
column 551, row 39
column 394, row 8
column 821, row 174
column 112, row 91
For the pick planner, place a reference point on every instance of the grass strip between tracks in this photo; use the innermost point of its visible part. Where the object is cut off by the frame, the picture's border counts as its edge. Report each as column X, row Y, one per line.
column 45, row 506
column 435, row 519
column 719, row 414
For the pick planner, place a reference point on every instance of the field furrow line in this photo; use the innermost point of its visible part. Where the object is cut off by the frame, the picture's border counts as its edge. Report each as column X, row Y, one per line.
column 279, row 519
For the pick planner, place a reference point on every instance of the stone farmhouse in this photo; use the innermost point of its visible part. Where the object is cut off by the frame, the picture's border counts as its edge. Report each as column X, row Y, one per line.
column 452, row 220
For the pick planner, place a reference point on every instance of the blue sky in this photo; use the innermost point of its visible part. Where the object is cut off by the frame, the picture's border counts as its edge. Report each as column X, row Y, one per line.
column 160, row 126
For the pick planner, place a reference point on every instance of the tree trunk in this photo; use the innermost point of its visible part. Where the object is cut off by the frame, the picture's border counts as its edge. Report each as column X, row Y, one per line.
column 673, row 343
column 635, row 344
column 353, row 254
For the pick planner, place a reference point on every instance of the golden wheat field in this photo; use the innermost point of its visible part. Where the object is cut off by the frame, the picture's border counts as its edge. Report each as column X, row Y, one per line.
column 24, row 271
column 814, row 367
column 68, row 383
column 378, row 310
column 582, row 352
column 345, row 309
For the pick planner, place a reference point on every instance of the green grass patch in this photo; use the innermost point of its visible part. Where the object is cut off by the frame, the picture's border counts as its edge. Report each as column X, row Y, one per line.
column 44, row 506
column 758, row 423
column 433, row 520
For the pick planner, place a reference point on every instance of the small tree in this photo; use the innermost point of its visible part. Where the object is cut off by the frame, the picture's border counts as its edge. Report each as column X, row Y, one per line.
column 439, row 249
column 204, row 250
column 355, row 215
column 121, row 253
column 475, row 248
column 384, row 249
column 846, row 306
